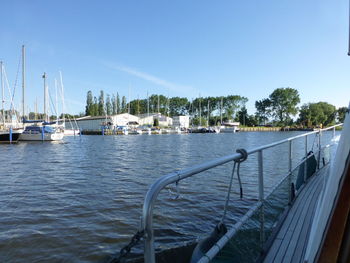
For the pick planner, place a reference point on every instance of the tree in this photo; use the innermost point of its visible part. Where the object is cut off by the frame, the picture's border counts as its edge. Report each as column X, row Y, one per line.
column 263, row 110
column 284, row 103
column 341, row 112
column 94, row 111
column 89, row 103
column 118, row 104
column 101, row 104
column 313, row 114
column 178, row 106
column 108, row 105
column 114, row 105
column 123, row 106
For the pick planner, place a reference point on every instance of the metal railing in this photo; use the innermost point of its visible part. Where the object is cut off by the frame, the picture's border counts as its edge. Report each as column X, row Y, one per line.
column 175, row 177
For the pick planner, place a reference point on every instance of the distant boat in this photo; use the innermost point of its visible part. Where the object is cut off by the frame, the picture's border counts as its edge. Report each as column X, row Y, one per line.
column 9, row 132
column 7, row 136
column 42, row 133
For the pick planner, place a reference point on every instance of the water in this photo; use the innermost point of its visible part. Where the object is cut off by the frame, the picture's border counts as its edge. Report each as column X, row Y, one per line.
column 80, row 200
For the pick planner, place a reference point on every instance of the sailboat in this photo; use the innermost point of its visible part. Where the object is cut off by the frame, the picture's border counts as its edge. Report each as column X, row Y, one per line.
column 9, row 132
column 43, row 131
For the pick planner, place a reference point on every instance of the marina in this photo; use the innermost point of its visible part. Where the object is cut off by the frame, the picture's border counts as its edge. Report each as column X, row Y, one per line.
column 183, row 132
column 81, row 201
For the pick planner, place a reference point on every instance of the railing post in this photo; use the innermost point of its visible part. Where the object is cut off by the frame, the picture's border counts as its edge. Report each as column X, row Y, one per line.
column 261, row 196
column 305, row 166
column 290, row 172
column 333, row 132
column 319, row 149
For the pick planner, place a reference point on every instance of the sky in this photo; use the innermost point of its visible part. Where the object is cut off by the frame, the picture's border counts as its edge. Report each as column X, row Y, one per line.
column 177, row 48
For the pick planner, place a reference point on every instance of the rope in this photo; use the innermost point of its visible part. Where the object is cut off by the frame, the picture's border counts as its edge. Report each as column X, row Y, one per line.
column 244, row 156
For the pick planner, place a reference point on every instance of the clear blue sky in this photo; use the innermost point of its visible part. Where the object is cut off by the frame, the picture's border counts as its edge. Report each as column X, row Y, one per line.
column 179, row 48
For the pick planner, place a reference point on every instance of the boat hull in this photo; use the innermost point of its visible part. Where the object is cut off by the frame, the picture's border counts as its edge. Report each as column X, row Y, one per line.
column 5, row 137
column 39, row 137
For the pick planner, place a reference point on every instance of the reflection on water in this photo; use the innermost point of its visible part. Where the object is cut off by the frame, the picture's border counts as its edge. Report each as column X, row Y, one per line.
column 81, row 199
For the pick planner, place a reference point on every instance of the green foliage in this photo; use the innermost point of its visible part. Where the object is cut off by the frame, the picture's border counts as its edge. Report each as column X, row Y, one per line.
column 89, row 103
column 245, row 119
column 118, row 104
column 284, row 103
column 199, row 121
column 101, row 104
column 114, row 105
column 123, row 105
column 108, row 105
column 263, row 110
column 341, row 114
column 313, row 114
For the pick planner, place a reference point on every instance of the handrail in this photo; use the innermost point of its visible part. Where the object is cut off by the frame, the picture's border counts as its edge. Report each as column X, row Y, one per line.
column 162, row 182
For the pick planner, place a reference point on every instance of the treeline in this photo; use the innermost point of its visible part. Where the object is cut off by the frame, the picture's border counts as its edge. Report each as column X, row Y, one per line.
column 172, row 106
column 279, row 109
column 281, row 105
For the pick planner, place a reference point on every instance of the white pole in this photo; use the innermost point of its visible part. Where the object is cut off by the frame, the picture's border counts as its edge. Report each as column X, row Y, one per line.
column 3, row 94
column 63, row 105
column 23, row 81
column 45, row 113
column 56, row 107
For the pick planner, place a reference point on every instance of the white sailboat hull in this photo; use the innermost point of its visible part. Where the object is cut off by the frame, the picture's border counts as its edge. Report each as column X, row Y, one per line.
column 71, row 132
column 39, row 137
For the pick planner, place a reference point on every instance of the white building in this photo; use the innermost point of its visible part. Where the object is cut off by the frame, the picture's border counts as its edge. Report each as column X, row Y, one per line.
column 181, row 121
column 148, row 119
column 95, row 123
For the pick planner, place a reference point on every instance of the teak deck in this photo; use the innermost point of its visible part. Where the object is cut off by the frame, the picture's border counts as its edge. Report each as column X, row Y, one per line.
column 291, row 240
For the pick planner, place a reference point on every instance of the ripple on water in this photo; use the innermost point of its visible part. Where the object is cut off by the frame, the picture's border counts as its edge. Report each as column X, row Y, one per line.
column 81, row 200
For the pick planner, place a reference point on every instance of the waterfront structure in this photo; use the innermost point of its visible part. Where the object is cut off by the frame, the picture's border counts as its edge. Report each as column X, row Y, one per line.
column 148, row 119
column 229, row 127
column 181, row 122
column 95, row 123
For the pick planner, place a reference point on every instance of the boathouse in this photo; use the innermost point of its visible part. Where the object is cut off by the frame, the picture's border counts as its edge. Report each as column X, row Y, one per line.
column 181, row 121
column 95, row 123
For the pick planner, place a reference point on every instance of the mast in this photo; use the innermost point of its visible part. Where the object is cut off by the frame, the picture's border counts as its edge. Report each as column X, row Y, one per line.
column 56, row 105
column 221, row 111
column 208, row 113
column 36, row 109
column 158, row 103
column 63, row 104
column 45, row 113
column 3, row 95
column 147, row 105
column 23, row 80
column 200, row 111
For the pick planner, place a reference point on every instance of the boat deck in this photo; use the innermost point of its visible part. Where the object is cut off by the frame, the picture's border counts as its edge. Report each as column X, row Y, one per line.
column 291, row 240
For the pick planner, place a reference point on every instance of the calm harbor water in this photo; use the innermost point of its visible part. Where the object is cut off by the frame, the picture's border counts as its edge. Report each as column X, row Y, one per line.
column 80, row 200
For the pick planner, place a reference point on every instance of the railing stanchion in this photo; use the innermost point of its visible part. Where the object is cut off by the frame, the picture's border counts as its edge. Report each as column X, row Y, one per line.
column 290, row 172
column 305, row 162
column 319, row 149
column 333, row 132
column 261, row 196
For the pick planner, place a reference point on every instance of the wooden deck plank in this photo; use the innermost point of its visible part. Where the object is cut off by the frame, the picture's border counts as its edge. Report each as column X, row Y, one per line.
column 285, row 227
column 299, row 251
column 303, row 224
column 296, row 224
column 290, row 241
column 304, row 234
